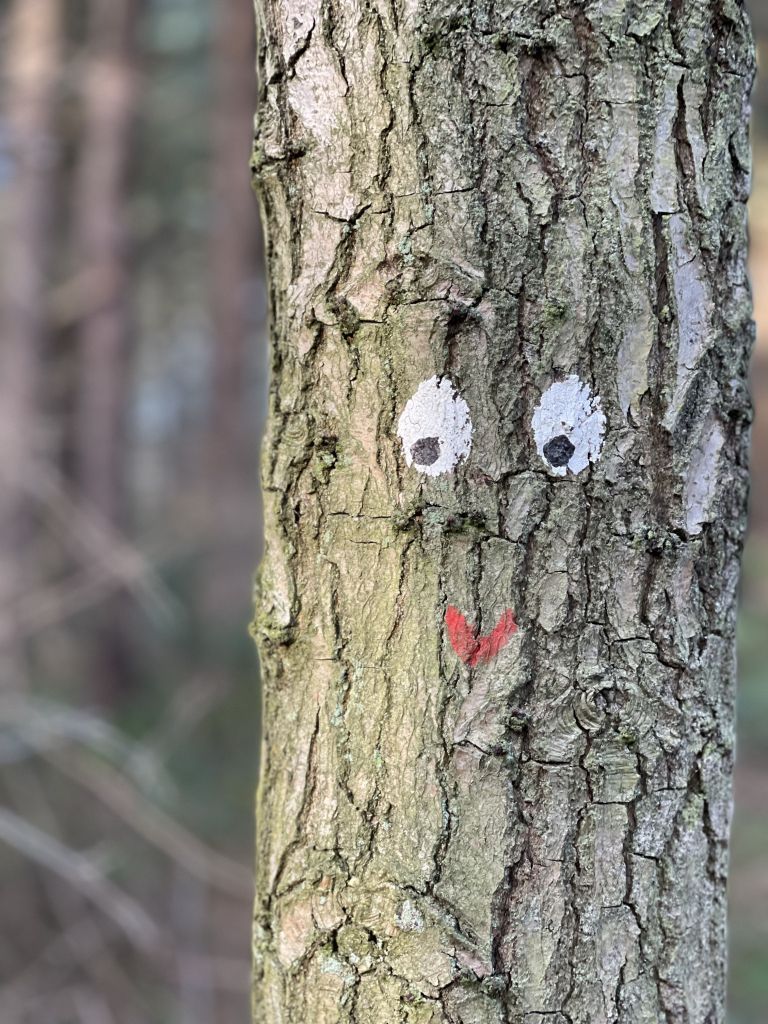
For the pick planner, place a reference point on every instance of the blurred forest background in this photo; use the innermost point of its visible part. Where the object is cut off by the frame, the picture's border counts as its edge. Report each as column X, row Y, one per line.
column 132, row 388
column 132, row 383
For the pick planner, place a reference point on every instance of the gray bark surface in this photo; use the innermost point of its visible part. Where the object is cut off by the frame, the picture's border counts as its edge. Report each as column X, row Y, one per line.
column 505, row 193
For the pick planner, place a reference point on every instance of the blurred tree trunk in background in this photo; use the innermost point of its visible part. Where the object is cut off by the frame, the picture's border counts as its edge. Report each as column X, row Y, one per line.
column 105, row 331
column 502, row 195
column 233, row 239
column 32, row 63
column 232, row 462
column 111, row 90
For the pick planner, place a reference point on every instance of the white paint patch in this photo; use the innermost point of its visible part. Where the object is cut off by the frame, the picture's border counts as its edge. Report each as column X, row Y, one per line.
column 568, row 426
column 435, row 428
column 409, row 918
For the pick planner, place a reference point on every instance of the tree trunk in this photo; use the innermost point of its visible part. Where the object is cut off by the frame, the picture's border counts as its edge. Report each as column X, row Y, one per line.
column 231, row 462
column 111, row 92
column 233, row 243
column 105, row 331
column 32, row 64
column 505, row 485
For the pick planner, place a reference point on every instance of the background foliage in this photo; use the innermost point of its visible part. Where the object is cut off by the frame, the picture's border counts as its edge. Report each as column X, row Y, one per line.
column 132, row 387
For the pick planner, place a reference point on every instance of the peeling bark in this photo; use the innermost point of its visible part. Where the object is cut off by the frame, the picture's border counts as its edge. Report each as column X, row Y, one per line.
column 506, row 194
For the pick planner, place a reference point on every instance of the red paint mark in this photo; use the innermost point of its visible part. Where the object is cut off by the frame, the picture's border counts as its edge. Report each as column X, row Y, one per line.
column 478, row 650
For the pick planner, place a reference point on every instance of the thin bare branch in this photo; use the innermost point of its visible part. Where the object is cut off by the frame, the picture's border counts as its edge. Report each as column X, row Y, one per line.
column 83, row 875
column 37, row 725
column 155, row 825
column 100, row 541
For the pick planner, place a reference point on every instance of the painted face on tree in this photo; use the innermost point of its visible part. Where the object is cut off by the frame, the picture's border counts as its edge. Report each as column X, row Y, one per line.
column 568, row 426
column 435, row 428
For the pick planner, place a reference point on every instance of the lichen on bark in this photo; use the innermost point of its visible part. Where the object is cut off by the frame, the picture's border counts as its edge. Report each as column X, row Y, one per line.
column 504, row 193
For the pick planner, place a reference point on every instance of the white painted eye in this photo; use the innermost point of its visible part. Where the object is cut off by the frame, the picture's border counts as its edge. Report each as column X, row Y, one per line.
column 435, row 428
column 568, row 426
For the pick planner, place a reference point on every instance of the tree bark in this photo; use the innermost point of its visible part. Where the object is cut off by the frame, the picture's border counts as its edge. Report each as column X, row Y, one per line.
column 233, row 244
column 531, row 216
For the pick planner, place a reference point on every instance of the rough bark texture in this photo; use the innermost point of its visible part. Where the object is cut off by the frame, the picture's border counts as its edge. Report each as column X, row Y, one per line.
column 507, row 193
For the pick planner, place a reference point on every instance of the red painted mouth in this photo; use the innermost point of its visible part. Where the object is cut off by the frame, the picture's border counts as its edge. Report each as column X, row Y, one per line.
column 473, row 649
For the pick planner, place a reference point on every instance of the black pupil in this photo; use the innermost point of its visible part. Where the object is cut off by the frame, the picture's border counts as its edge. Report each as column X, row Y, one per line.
column 559, row 450
column 426, row 451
